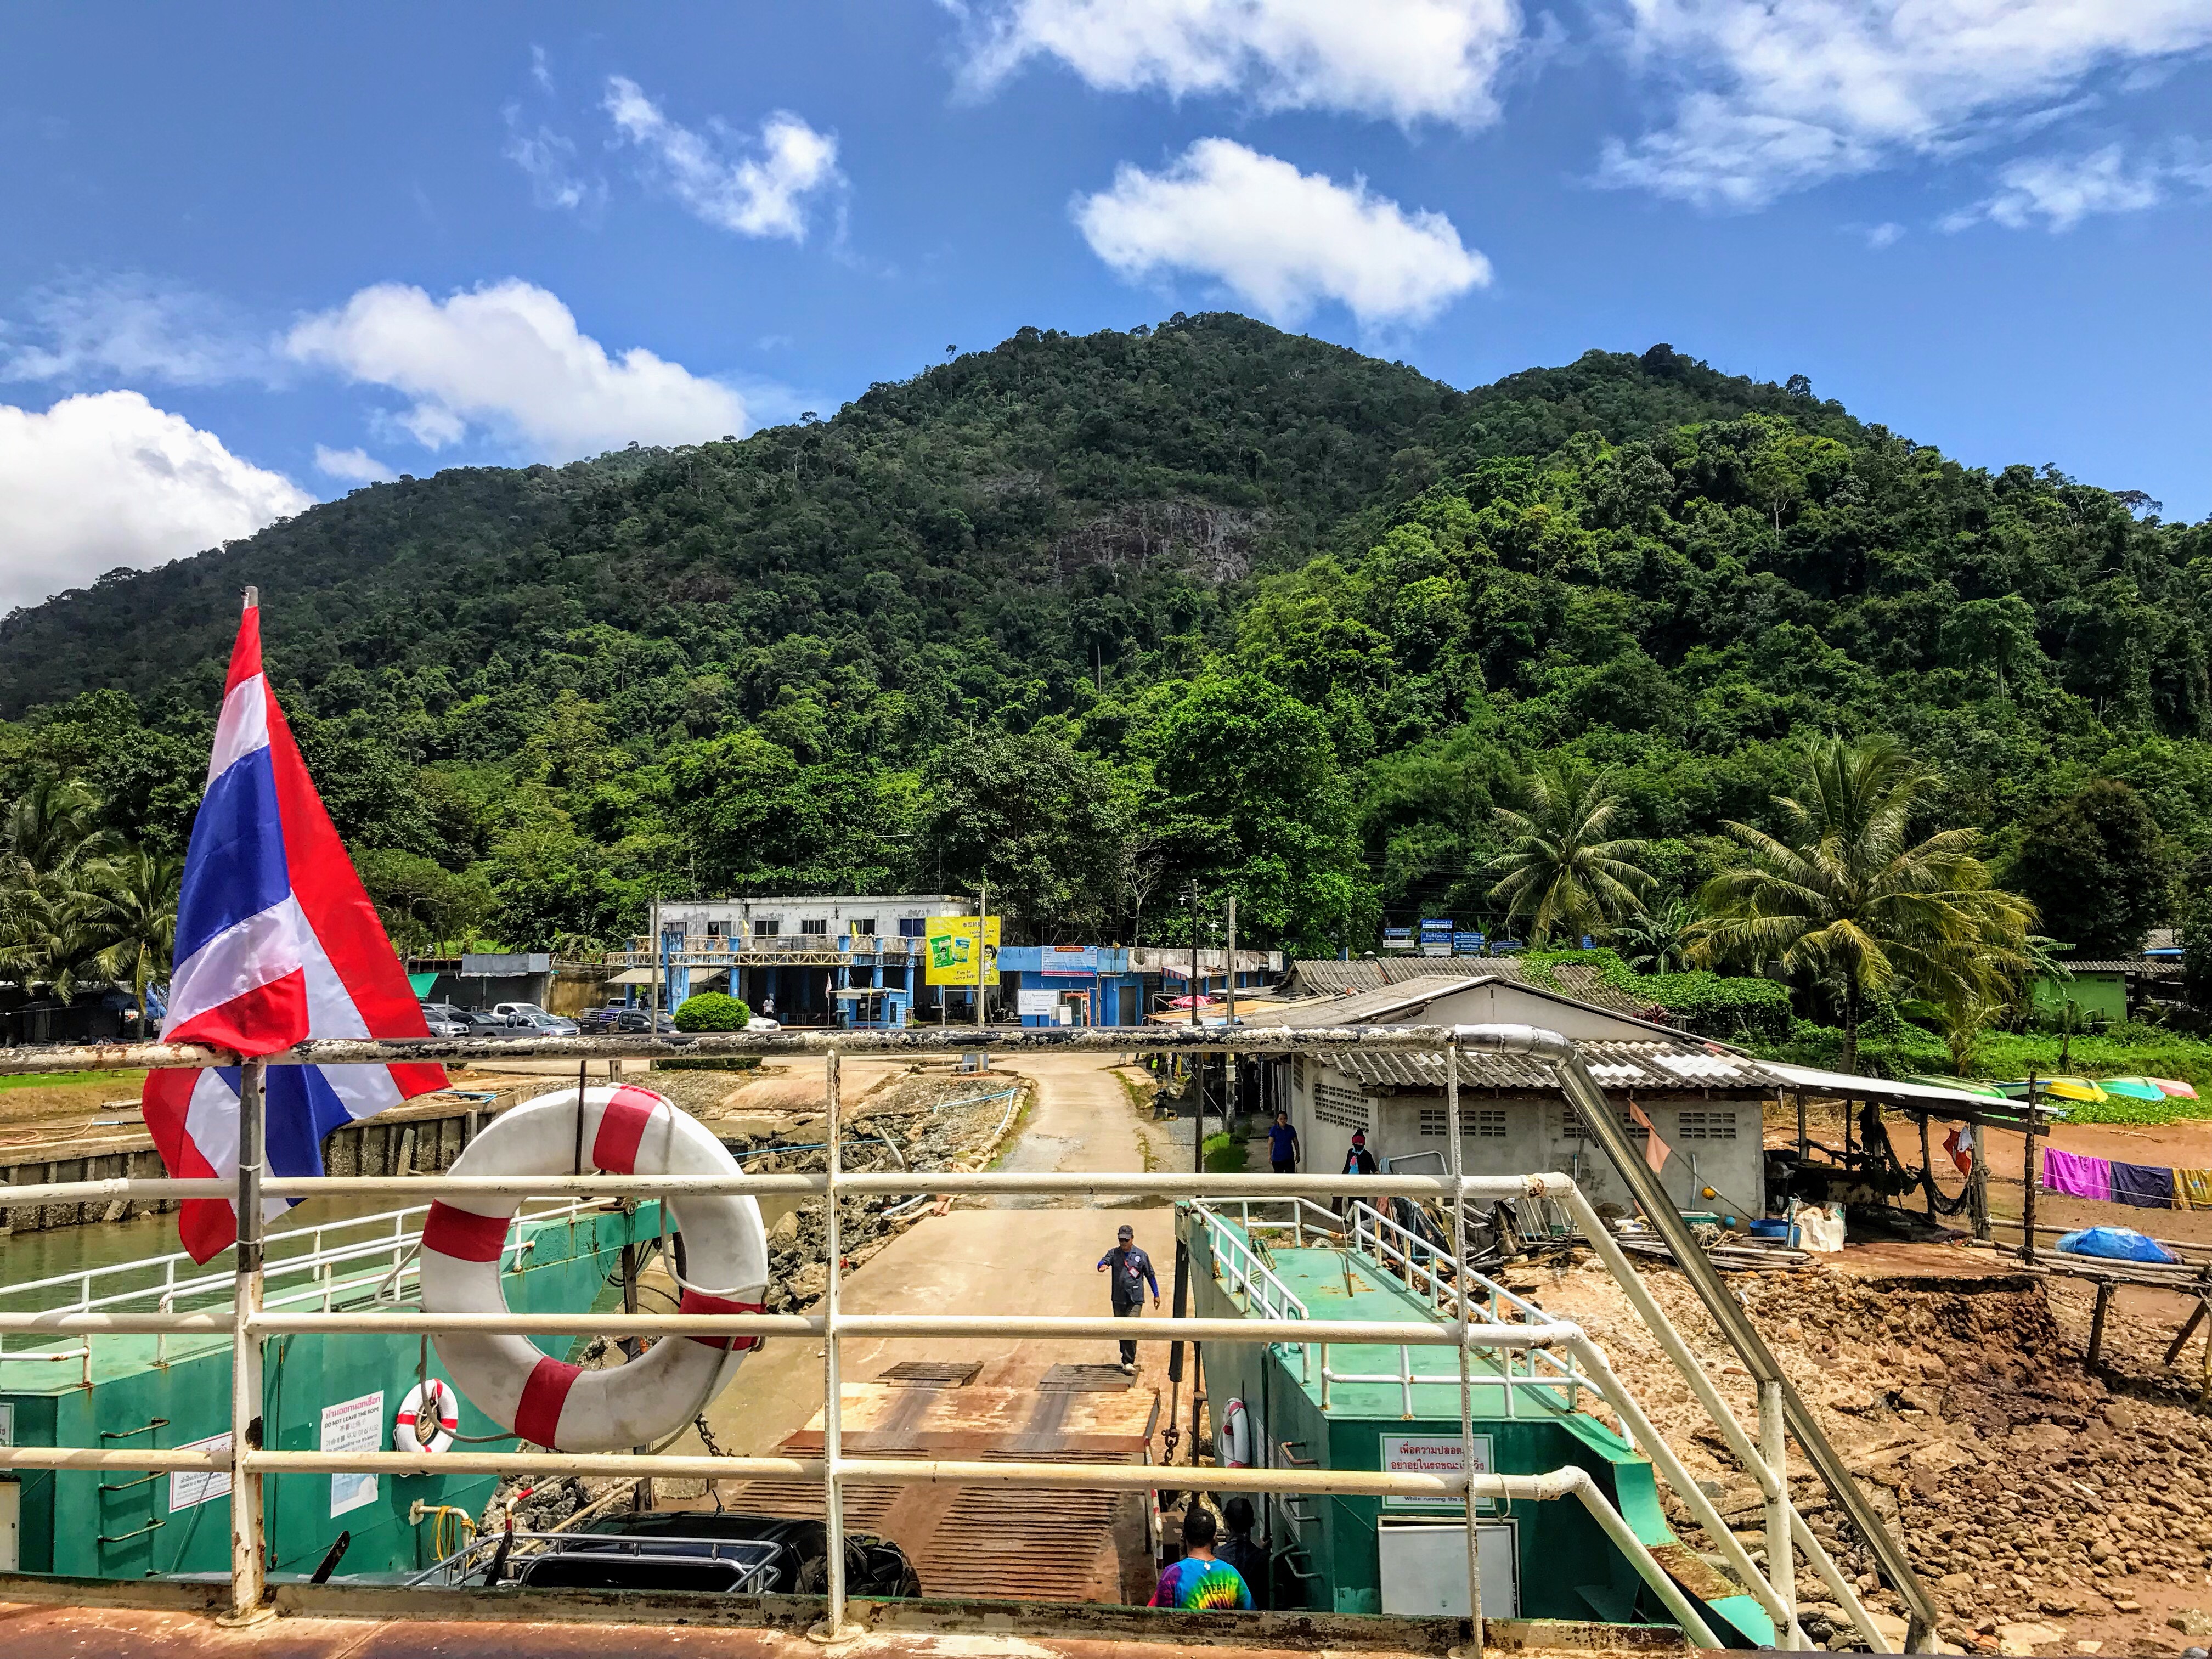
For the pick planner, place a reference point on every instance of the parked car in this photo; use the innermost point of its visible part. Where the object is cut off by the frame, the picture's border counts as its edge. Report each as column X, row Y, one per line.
column 516, row 1008
column 540, row 1023
column 727, row 1554
column 480, row 1023
column 619, row 1020
column 445, row 1020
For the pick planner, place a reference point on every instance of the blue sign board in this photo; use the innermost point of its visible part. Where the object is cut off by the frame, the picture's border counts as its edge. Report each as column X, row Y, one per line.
column 1468, row 944
column 1397, row 939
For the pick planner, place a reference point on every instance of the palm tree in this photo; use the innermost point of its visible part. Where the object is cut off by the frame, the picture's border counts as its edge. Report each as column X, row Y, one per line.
column 1657, row 941
column 1563, row 868
column 50, row 930
column 1842, row 896
column 137, row 910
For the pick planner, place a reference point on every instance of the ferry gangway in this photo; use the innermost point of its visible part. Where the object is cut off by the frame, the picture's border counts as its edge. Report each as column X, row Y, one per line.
column 250, row 1320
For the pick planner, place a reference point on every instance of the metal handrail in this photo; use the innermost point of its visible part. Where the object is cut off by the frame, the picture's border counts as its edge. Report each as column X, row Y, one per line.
column 249, row 1324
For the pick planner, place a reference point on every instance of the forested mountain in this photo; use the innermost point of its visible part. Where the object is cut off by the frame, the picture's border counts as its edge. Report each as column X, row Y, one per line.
column 1097, row 616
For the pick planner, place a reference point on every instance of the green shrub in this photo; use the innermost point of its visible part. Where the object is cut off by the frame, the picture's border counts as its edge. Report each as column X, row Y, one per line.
column 711, row 1011
column 1721, row 1005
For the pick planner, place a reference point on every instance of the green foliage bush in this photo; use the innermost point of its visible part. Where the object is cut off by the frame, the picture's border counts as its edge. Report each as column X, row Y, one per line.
column 1719, row 1006
column 713, row 1011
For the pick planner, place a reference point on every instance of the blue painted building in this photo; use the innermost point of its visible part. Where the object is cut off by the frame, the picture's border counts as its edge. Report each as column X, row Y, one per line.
column 1071, row 984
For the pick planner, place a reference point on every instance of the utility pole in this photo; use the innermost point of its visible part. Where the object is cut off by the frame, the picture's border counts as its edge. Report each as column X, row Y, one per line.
column 652, row 986
column 1229, row 1060
column 982, row 946
column 1197, row 1080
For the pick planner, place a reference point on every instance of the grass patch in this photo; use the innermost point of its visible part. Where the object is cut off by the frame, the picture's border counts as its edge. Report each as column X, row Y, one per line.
column 62, row 1079
column 1224, row 1154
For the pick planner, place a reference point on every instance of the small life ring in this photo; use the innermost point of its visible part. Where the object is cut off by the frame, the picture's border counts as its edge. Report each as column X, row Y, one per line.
column 1236, row 1436
column 432, row 1405
column 547, row 1401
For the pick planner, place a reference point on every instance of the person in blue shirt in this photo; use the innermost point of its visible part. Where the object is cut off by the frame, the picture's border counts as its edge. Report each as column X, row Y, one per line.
column 1131, row 1270
column 1283, row 1145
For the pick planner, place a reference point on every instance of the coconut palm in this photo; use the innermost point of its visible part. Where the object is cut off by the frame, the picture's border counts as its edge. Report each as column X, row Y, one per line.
column 137, row 911
column 1842, row 896
column 1564, row 868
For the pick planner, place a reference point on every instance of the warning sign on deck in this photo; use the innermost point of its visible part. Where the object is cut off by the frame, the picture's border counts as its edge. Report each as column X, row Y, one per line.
column 352, row 1425
column 1433, row 1454
column 188, row 1487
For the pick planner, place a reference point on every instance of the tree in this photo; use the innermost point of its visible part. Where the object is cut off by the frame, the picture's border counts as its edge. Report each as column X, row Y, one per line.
column 136, row 911
column 2096, row 866
column 713, row 1011
column 423, row 903
column 1843, row 897
column 1657, row 941
column 1045, row 825
column 1563, row 866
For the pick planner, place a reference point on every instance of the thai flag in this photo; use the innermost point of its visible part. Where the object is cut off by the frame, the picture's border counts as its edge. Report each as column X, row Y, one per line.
column 277, row 941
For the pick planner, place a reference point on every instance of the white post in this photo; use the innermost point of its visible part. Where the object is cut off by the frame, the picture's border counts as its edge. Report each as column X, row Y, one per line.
column 833, row 1627
column 1781, row 1561
column 1473, row 1651
column 247, row 1546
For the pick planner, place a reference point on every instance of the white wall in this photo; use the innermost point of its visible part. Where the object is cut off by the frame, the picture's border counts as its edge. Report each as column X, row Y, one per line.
column 1531, row 1134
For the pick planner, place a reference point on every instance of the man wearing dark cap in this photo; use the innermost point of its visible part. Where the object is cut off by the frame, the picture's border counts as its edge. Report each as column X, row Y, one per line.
column 1129, row 1270
column 1357, row 1161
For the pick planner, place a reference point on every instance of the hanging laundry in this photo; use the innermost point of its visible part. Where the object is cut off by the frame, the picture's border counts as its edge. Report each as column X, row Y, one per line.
column 1656, row 1150
column 2194, row 1188
column 1961, row 1151
column 2077, row 1177
column 2143, row 1185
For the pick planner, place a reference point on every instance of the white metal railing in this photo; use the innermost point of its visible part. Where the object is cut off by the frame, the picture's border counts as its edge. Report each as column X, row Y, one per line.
column 249, row 1321
column 398, row 1232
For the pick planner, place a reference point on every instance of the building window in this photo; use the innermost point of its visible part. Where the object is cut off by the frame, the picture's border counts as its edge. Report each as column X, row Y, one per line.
column 913, row 927
column 1571, row 1126
column 818, row 926
column 1705, row 1125
column 865, row 928
column 718, row 930
column 1485, row 1122
column 766, row 929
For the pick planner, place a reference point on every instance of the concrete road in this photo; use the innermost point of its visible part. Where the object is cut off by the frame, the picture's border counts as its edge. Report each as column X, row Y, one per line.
column 1017, row 1256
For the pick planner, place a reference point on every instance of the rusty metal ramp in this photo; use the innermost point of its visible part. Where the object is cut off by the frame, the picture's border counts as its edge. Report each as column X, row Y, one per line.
column 1056, row 1545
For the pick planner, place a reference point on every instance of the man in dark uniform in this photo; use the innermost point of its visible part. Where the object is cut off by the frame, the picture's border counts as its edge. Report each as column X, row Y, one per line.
column 1283, row 1144
column 1129, row 1270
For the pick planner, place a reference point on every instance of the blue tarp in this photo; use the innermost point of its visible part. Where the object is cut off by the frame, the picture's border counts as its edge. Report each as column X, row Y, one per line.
column 2116, row 1244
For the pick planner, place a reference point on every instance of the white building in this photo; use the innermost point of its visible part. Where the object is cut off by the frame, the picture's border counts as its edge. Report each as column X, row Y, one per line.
column 1704, row 1100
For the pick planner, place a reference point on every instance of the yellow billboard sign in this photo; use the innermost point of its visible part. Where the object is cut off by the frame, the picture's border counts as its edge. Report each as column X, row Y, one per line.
column 954, row 958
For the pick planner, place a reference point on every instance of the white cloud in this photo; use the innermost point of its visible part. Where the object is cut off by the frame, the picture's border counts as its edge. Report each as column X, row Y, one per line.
column 1406, row 60
column 762, row 198
column 550, row 161
column 2061, row 191
column 509, row 356
column 106, row 479
column 355, row 465
column 1778, row 94
column 541, row 70
column 132, row 326
column 1280, row 239
column 1884, row 235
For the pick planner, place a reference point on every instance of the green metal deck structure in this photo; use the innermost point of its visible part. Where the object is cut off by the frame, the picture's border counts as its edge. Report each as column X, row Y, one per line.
column 129, row 1393
column 1340, row 1405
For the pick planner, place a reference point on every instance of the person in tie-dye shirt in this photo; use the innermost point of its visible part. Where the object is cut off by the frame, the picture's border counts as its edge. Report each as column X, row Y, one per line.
column 1198, row 1581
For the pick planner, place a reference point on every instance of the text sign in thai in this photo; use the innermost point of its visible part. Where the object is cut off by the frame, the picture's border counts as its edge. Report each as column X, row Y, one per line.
column 352, row 1425
column 189, row 1487
column 1433, row 1454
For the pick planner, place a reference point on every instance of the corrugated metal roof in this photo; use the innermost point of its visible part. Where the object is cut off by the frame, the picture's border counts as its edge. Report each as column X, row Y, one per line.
column 1375, row 1007
column 1329, row 977
column 2136, row 965
column 1616, row 1064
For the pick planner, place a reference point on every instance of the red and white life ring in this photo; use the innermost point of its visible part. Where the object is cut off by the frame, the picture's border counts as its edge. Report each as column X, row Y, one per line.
column 1236, row 1447
column 626, row 1131
column 432, row 1407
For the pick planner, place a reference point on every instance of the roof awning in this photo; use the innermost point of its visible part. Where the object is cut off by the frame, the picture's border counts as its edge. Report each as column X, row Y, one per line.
column 1958, row 1105
column 633, row 976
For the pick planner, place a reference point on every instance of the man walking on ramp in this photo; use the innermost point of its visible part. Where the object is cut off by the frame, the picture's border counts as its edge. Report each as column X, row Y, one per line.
column 1130, row 1270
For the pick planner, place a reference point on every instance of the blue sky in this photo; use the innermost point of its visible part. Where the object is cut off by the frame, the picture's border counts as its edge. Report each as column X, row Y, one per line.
column 258, row 254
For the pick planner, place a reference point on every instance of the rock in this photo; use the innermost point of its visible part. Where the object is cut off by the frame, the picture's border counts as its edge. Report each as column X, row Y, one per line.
column 2026, row 1637
column 786, row 1231
column 2118, row 1418
column 1962, row 1581
column 2190, row 1621
column 1893, row 1629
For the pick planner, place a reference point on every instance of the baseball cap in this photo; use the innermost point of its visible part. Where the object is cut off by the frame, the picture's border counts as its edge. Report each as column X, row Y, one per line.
column 1125, row 1232
column 1360, row 1137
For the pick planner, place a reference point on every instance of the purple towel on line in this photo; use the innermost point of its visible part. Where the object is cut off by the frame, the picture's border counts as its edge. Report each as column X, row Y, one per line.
column 2143, row 1185
column 2077, row 1177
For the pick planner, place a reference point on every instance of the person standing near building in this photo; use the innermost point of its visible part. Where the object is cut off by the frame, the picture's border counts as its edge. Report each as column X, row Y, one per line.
column 1357, row 1160
column 1129, row 1270
column 1283, row 1144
